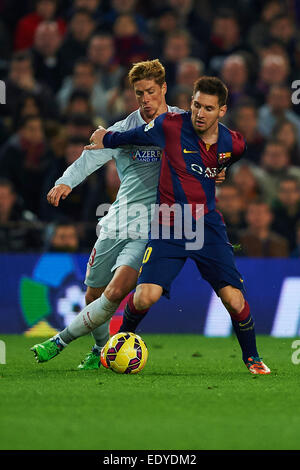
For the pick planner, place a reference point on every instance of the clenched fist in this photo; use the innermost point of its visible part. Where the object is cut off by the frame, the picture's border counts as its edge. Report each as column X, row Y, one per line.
column 220, row 177
column 96, row 139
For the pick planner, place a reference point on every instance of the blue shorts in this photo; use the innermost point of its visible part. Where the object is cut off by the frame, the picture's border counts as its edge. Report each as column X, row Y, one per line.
column 164, row 259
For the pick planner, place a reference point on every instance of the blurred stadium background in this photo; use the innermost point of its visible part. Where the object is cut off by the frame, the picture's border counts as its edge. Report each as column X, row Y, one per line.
column 63, row 66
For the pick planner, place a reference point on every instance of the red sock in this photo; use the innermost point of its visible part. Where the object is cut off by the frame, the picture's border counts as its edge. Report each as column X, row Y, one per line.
column 243, row 314
column 132, row 307
column 132, row 317
column 243, row 325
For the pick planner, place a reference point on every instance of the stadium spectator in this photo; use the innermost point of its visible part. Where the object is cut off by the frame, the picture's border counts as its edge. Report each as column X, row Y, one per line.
column 274, row 69
column 79, row 103
column 188, row 70
column 93, row 7
column 274, row 165
column 259, row 31
column 286, row 209
column 45, row 10
column 232, row 207
column 25, row 161
column 48, row 61
column 102, row 53
column 64, row 238
column 121, row 7
column 283, row 28
column 29, row 104
column 19, row 228
column 84, row 78
column 278, row 106
column 245, row 120
column 21, row 80
column 11, row 209
column 57, row 139
column 286, row 132
column 234, row 72
column 80, row 29
column 164, row 23
column 129, row 103
column 81, row 204
column 122, row 101
column 181, row 97
column 258, row 240
column 129, row 43
column 177, row 47
column 79, row 125
column 225, row 39
column 190, row 20
column 272, row 48
column 243, row 176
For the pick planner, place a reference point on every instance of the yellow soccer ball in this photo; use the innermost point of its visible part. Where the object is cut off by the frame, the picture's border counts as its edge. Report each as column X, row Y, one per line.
column 125, row 353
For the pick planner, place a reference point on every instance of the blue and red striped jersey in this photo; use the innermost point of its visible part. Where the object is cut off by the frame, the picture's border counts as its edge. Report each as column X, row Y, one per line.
column 189, row 165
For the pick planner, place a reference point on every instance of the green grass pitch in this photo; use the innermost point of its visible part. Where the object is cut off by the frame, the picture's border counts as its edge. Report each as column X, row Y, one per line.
column 194, row 393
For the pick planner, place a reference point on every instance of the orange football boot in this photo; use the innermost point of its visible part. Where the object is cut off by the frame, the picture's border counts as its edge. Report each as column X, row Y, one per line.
column 256, row 366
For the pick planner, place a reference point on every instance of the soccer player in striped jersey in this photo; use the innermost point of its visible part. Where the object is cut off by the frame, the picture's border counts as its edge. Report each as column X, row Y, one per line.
column 196, row 145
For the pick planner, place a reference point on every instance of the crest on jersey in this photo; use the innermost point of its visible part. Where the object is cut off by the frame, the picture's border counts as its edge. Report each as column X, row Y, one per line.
column 223, row 156
column 149, row 126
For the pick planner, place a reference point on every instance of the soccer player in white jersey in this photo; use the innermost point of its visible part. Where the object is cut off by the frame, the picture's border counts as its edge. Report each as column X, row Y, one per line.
column 115, row 260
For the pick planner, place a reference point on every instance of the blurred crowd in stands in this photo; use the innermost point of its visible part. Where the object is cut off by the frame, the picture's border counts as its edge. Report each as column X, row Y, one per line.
column 65, row 63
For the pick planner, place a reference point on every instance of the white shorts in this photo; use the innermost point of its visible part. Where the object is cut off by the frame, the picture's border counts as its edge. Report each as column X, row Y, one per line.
column 107, row 255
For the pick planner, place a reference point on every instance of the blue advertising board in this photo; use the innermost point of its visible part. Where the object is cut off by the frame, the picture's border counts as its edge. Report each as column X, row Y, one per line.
column 50, row 288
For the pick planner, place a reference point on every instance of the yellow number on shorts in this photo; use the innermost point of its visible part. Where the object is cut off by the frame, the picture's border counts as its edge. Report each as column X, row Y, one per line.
column 147, row 254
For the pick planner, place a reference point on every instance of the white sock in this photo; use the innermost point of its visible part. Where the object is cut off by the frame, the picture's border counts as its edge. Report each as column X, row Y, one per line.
column 92, row 316
column 101, row 335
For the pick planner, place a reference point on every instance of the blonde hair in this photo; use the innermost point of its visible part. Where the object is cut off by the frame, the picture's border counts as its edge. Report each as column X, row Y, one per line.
column 147, row 70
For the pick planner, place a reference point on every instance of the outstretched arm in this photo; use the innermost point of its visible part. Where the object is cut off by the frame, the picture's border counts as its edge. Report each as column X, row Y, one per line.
column 86, row 164
column 148, row 134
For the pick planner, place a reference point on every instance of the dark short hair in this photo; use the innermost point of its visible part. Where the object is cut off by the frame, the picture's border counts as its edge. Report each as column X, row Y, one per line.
column 291, row 178
column 212, row 86
column 246, row 102
column 276, row 142
column 79, row 94
column 5, row 182
column 30, row 117
column 76, row 140
column 224, row 12
column 20, row 56
column 79, row 120
column 259, row 201
column 228, row 184
column 39, row 1
column 83, row 11
column 85, row 62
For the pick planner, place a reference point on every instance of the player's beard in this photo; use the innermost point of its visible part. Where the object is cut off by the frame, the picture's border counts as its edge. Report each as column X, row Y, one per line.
column 204, row 130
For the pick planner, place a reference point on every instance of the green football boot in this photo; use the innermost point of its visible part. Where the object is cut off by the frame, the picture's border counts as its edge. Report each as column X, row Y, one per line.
column 47, row 350
column 91, row 361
